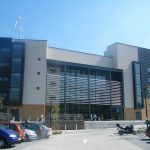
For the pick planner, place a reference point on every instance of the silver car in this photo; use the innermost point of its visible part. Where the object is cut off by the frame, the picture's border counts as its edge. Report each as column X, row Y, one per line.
column 46, row 131
column 30, row 135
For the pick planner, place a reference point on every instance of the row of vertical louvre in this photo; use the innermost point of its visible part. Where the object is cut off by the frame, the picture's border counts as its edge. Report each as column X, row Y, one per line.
column 78, row 90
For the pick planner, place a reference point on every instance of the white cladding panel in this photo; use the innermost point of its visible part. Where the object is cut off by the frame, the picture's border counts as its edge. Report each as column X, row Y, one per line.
column 35, row 72
column 79, row 57
column 124, row 55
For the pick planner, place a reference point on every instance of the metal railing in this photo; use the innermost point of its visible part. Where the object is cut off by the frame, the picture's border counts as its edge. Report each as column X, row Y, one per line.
column 5, row 116
column 110, row 124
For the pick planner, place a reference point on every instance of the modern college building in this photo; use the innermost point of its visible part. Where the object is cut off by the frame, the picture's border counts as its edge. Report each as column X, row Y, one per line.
column 35, row 77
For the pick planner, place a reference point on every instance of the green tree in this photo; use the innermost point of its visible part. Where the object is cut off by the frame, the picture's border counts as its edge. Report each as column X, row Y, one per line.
column 148, row 92
column 54, row 116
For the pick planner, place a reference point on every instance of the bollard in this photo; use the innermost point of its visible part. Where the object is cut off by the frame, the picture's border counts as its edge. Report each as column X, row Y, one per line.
column 87, row 126
column 76, row 127
column 65, row 127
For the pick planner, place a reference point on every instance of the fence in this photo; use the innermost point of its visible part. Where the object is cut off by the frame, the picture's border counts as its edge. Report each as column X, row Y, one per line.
column 110, row 124
column 5, row 116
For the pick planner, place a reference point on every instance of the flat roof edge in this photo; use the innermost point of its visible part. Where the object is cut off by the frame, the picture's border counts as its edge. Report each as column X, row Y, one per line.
column 78, row 51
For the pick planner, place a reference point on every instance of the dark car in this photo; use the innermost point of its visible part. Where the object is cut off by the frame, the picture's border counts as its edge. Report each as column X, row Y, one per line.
column 8, row 137
column 35, row 127
column 147, row 132
column 18, row 128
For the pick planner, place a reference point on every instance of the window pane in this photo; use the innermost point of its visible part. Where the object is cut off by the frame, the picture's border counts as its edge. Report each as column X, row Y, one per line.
column 138, row 116
column 4, row 49
column 138, row 79
column 4, row 64
column 14, row 94
column 15, row 80
column 17, row 51
column 16, row 65
column 148, row 69
column 138, row 89
column 148, row 80
column 137, row 68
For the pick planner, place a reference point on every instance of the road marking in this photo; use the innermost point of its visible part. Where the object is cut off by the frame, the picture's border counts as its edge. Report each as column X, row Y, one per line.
column 85, row 141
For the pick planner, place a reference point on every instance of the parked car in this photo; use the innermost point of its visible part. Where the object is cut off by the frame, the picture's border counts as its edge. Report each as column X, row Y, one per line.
column 35, row 127
column 18, row 128
column 46, row 131
column 30, row 135
column 8, row 137
column 147, row 132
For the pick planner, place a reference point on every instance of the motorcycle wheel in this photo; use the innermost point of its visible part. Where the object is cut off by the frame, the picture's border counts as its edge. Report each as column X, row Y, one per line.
column 134, row 132
column 120, row 132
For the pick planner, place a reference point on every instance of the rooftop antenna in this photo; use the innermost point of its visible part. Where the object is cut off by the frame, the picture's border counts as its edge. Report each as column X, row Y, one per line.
column 19, row 26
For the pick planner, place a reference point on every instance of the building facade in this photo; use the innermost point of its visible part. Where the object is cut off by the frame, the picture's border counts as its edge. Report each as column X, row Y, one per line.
column 35, row 78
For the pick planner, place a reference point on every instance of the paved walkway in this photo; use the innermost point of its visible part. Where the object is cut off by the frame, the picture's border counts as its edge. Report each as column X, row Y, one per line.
column 83, row 140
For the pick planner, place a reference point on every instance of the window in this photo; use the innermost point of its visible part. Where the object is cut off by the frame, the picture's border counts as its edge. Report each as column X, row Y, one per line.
column 3, row 79
column 3, row 94
column 15, row 80
column 52, row 83
column 39, row 59
column 148, row 69
column 148, row 80
column 38, row 73
column 138, row 100
column 138, row 116
column 138, row 89
column 4, row 64
column 37, row 87
column 138, row 78
column 137, row 68
column 52, row 97
column 4, row 49
column 52, row 70
column 16, row 65
column 17, row 50
column 15, row 94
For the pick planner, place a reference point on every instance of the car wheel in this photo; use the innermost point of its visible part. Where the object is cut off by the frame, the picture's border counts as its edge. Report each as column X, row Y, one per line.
column 2, row 143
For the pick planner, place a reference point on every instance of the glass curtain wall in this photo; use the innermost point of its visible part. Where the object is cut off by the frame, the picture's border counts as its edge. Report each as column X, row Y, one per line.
column 17, row 74
column 137, row 84
column 93, row 92
column 5, row 69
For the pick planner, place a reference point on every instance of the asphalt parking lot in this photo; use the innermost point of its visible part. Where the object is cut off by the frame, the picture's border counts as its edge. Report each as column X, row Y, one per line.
column 105, row 139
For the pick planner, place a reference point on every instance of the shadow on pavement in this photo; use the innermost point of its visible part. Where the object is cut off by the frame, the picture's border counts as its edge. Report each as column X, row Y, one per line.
column 7, row 147
column 145, row 139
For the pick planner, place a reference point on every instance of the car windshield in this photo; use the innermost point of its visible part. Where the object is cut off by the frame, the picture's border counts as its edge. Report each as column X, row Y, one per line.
column 2, row 126
column 10, row 126
column 43, row 126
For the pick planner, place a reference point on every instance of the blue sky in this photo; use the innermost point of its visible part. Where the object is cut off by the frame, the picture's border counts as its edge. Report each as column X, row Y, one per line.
column 82, row 25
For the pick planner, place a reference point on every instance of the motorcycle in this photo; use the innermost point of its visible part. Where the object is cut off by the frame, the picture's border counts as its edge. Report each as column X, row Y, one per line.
column 125, row 130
